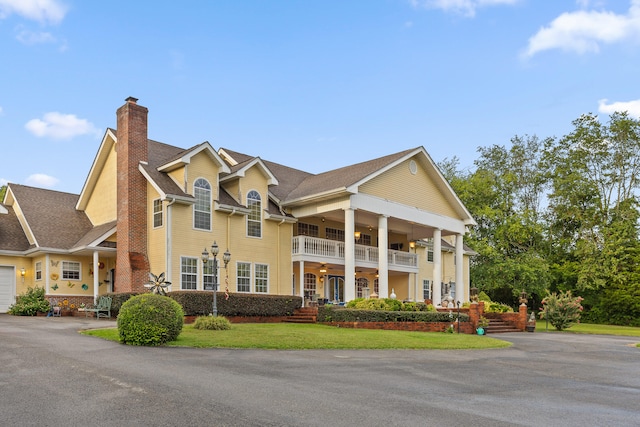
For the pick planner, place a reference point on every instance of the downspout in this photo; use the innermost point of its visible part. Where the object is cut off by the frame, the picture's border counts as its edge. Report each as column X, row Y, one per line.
column 168, row 241
column 278, row 258
column 233, row 212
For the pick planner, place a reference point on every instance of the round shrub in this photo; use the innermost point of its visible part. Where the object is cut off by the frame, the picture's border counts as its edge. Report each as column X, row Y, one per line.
column 150, row 319
column 211, row 323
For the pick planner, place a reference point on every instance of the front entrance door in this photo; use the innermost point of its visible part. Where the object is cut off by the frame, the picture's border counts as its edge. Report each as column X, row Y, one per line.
column 336, row 288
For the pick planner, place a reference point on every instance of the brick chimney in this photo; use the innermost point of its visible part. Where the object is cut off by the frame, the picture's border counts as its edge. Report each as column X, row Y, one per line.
column 132, row 264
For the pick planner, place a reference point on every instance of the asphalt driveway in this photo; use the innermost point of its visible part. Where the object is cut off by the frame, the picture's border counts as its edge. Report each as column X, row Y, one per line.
column 51, row 375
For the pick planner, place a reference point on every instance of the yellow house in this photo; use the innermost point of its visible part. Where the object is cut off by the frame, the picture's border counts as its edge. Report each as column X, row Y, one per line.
column 383, row 227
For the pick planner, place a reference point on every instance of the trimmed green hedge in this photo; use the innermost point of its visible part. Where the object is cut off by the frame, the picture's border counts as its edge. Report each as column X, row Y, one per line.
column 195, row 303
column 333, row 314
column 200, row 302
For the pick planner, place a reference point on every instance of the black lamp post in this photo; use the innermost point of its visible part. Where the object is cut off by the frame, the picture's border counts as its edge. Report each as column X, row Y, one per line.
column 226, row 257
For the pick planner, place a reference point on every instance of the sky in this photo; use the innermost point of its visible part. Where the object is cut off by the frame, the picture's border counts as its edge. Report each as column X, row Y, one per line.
column 314, row 85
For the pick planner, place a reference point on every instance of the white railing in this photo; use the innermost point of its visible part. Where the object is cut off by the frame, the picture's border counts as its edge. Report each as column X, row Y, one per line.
column 331, row 249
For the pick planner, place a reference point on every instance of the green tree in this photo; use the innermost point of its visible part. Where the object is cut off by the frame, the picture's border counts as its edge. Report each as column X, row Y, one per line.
column 593, row 172
column 3, row 190
column 504, row 194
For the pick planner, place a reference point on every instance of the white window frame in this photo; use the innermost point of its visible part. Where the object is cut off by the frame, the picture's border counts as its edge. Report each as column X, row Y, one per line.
column 208, row 276
column 71, row 269
column 254, row 218
column 261, row 281
column 202, row 206
column 429, row 250
column 188, row 269
column 334, row 234
column 38, row 270
column 426, row 289
column 246, row 279
column 310, row 230
column 310, row 281
column 158, row 214
column 361, row 283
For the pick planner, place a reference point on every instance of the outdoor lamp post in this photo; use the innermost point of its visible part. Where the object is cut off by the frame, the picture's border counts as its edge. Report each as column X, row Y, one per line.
column 226, row 257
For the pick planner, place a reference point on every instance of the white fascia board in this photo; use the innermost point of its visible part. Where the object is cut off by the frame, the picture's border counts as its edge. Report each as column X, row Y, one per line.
column 318, row 197
column 228, row 208
column 163, row 195
column 186, row 158
column 407, row 213
column 276, row 217
column 240, row 173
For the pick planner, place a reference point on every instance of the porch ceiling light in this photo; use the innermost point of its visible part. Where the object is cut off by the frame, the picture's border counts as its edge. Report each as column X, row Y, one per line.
column 323, row 268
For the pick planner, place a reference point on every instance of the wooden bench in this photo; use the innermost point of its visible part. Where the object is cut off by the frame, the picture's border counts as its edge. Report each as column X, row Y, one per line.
column 102, row 309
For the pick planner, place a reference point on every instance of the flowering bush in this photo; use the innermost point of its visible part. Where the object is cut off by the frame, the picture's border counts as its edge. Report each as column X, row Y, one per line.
column 561, row 310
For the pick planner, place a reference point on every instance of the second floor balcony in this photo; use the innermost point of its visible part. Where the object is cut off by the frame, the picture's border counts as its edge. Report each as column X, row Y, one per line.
column 305, row 248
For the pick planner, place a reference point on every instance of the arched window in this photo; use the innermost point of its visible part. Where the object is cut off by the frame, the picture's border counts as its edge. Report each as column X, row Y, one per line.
column 361, row 283
column 202, row 208
column 254, row 219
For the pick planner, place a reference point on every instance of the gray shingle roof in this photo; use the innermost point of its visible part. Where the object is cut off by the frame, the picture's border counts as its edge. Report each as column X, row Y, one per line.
column 12, row 238
column 343, row 177
column 52, row 216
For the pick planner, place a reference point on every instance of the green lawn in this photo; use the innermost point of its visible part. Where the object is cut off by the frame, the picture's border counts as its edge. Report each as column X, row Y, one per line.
column 286, row 336
column 589, row 328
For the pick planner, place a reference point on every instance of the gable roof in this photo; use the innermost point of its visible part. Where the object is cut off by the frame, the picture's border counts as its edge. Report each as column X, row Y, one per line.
column 341, row 179
column 51, row 216
column 288, row 178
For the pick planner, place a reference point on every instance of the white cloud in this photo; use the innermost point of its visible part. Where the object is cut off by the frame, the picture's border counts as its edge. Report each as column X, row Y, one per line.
column 29, row 37
column 463, row 7
column 633, row 107
column 3, row 181
column 60, row 126
column 584, row 31
column 41, row 180
column 51, row 11
column 1, row 111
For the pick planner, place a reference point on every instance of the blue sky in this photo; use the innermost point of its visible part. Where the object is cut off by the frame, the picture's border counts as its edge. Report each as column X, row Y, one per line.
column 314, row 85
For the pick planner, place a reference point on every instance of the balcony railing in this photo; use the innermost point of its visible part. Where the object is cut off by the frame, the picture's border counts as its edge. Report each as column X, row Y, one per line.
column 330, row 250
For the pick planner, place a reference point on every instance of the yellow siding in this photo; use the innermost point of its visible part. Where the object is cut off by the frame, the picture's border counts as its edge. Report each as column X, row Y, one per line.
column 102, row 205
column 178, row 176
column 156, row 246
column 201, row 166
column 233, row 188
column 400, row 185
column 272, row 249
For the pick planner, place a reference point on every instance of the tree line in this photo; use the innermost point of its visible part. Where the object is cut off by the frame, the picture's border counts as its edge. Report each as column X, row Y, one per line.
column 558, row 214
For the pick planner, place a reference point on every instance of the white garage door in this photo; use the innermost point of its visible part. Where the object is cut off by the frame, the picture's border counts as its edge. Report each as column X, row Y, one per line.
column 7, row 287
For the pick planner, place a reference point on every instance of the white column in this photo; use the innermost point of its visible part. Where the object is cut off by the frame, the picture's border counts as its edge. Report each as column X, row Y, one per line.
column 437, row 267
column 301, row 281
column 96, row 273
column 349, row 255
column 460, row 285
column 383, row 257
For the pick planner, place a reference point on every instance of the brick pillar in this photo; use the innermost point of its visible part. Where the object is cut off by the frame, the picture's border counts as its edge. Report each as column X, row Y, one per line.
column 474, row 314
column 521, row 323
column 132, row 265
